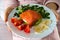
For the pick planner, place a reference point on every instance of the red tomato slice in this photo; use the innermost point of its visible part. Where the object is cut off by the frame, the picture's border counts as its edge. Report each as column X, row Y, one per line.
column 20, row 22
column 16, row 24
column 13, row 20
column 27, row 29
column 21, row 27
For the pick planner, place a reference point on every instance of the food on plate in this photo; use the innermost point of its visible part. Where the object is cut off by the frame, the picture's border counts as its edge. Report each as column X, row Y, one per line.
column 46, row 21
column 43, row 25
column 40, row 28
column 16, row 22
column 28, row 17
column 36, row 8
column 27, row 29
column 21, row 25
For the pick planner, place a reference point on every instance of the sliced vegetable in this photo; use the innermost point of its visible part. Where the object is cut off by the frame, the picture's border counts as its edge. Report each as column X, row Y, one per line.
column 13, row 20
column 27, row 29
column 40, row 28
column 38, row 22
column 20, row 22
column 16, row 22
column 46, row 22
column 21, row 27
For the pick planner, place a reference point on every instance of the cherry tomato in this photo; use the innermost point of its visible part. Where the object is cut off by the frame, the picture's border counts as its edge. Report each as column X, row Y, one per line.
column 16, row 24
column 21, row 27
column 13, row 20
column 20, row 22
column 27, row 29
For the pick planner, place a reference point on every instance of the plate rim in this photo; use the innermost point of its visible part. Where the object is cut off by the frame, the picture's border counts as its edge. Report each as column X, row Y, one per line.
column 38, row 37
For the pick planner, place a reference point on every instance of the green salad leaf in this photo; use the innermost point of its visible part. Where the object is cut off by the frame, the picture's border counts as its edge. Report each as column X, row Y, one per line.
column 36, row 8
column 38, row 22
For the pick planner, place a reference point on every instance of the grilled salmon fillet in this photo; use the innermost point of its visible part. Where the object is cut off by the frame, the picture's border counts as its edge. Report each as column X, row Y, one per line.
column 30, row 16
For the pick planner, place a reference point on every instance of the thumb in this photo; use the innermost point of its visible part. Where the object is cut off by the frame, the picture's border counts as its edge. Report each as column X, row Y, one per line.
column 7, row 12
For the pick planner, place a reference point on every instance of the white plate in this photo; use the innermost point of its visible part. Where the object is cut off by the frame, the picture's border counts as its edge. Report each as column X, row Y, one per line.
column 32, row 34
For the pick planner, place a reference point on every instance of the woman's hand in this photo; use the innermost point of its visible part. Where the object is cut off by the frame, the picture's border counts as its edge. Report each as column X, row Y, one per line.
column 54, row 35
column 9, row 6
column 7, row 12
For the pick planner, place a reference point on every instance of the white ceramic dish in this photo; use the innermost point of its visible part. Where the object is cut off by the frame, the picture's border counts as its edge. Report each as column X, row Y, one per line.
column 32, row 34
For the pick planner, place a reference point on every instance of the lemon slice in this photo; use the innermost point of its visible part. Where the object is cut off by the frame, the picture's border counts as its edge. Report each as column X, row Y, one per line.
column 40, row 28
column 47, row 21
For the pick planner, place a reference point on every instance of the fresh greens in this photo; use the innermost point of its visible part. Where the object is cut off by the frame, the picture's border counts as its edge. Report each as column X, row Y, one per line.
column 16, row 14
column 37, row 22
column 36, row 8
column 17, row 8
